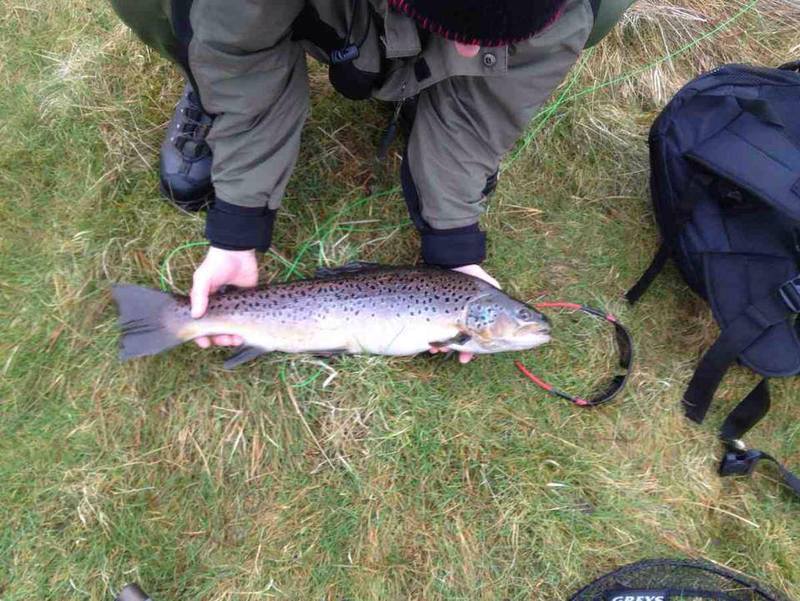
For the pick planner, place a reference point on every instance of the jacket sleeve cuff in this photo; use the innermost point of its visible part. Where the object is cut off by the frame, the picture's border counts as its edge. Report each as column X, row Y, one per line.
column 232, row 227
column 455, row 247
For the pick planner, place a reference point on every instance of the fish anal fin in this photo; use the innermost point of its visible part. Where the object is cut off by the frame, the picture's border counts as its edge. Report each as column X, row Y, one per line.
column 351, row 267
column 461, row 338
column 243, row 354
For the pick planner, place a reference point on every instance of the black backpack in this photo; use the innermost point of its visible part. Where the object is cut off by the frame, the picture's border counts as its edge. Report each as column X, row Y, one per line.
column 725, row 186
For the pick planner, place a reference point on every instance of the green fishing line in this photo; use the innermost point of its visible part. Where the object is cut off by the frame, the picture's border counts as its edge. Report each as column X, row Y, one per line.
column 164, row 270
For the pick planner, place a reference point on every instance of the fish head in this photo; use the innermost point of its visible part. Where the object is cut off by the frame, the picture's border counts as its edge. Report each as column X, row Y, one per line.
column 496, row 322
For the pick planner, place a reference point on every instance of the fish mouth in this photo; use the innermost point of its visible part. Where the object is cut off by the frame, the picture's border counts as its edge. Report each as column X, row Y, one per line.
column 537, row 338
column 536, row 334
column 536, row 329
column 530, row 336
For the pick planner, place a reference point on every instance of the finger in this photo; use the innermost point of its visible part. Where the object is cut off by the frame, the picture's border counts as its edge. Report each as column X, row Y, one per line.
column 479, row 272
column 246, row 280
column 465, row 357
column 223, row 340
column 202, row 342
column 434, row 349
column 467, row 50
column 199, row 294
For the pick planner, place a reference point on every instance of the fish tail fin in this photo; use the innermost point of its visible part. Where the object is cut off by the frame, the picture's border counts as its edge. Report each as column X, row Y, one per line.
column 141, row 321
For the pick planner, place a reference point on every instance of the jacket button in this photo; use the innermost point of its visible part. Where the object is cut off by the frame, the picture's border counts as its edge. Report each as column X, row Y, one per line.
column 489, row 59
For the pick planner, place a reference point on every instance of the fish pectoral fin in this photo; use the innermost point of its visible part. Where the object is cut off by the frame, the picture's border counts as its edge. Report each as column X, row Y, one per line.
column 242, row 355
column 335, row 352
column 351, row 267
column 461, row 338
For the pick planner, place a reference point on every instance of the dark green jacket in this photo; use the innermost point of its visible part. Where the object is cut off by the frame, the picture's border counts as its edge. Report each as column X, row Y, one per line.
column 251, row 72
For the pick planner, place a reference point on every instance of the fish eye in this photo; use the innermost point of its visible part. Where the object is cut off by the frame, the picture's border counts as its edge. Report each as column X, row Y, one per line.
column 524, row 314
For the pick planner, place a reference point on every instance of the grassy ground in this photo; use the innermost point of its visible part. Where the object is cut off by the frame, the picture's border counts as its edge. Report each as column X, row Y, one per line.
column 365, row 478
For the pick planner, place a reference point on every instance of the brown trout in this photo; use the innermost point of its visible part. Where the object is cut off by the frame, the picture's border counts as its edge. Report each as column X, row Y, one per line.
column 353, row 309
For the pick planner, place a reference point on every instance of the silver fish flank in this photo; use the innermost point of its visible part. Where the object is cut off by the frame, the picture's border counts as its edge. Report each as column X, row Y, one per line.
column 371, row 310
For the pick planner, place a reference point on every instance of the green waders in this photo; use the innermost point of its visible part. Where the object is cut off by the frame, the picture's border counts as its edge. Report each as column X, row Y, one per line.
column 609, row 12
column 150, row 21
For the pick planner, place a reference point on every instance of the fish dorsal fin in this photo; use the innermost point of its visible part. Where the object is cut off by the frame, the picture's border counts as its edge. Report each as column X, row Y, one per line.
column 351, row 267
column 243, row 354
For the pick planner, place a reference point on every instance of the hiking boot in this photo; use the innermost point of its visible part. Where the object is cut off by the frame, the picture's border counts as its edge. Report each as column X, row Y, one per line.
column 186, row 157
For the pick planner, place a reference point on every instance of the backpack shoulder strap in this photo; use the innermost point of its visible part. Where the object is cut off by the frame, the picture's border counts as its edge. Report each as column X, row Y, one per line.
column 741, row 462
column 735, row 338
column 739, row 334
column 738, row 460
column 656, row 266
column 750, row 410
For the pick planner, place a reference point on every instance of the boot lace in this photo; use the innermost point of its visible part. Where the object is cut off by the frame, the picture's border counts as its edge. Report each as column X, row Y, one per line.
column 195, row 125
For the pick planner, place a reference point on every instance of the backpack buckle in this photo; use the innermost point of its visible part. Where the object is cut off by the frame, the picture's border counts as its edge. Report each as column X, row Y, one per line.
column 737, row 462
column 790, row 294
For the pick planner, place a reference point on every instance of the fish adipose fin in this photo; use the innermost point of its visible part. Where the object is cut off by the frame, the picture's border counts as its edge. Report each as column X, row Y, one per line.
column 141, row 312
column 351, row 267
column 461, row 338
column 242, row 355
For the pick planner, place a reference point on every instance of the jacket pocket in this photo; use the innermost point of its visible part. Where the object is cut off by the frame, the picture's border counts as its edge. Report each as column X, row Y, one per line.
column 400, row 36
column 346, row 78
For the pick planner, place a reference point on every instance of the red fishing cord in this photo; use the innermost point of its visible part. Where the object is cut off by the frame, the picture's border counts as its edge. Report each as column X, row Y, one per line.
column 625, row 346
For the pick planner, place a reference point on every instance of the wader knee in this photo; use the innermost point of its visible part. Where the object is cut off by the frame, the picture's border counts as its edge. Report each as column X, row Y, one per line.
column 606, row 15
column 150, row 21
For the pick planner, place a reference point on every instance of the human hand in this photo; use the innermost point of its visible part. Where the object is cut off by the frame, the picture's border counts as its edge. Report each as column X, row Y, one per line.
column 220, row 268
column 467, row 50
column 479, row 272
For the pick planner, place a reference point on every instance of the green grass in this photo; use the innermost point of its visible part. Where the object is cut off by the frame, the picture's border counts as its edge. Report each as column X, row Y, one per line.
column 362, row 478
